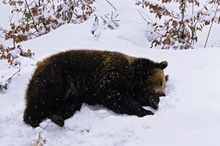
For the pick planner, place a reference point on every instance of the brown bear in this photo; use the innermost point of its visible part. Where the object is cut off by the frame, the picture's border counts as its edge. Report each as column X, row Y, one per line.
column 121, row 83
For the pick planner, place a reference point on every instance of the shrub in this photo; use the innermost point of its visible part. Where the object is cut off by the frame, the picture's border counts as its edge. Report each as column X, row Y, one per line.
column 179, row 30
column 39, row 17
column 108, row 21
column 30, row 19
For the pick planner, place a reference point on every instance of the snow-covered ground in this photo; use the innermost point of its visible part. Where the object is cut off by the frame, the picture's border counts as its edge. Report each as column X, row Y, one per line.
column 188, row 116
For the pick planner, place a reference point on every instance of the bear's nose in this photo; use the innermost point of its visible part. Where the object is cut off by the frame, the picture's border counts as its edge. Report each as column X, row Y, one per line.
column 163, row 94
column 160, row 93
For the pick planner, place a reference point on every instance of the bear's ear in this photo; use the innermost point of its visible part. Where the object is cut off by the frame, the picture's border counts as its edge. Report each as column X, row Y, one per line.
column 166, row 77
column 163, row 64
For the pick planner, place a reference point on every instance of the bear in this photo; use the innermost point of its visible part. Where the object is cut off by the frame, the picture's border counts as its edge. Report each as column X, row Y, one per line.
column 123, row 84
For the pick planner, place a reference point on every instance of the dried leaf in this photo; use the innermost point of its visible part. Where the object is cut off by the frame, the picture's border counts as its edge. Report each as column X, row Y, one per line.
column 175, row 23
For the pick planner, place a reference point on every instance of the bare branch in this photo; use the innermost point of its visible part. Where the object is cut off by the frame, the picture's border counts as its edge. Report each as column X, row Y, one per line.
column 211, row 26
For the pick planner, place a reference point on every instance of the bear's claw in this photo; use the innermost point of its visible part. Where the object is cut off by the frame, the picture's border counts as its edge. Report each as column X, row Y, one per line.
column 154, row 104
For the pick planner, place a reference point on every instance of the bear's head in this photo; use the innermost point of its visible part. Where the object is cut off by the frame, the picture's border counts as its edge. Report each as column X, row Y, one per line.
column 156, row 84
column 152, row 82
column 156, row 80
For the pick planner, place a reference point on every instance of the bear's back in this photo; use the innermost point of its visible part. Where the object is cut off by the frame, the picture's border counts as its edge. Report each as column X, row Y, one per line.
column 88, row 59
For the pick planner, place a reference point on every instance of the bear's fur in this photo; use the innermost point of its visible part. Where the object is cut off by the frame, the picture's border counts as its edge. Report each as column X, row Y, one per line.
column 123, row 84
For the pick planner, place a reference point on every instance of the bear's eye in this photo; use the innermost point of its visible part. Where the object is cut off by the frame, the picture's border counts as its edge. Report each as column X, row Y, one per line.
column 161, row 83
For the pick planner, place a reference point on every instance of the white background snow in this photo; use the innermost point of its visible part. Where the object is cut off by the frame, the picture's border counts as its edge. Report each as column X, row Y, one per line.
column 188, row 116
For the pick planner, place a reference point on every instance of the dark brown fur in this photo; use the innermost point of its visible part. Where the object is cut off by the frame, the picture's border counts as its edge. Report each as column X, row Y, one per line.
column 62, row 82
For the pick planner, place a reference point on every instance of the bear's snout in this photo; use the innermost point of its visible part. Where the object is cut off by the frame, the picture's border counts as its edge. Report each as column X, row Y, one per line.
column 158, row 93
column 161, row 94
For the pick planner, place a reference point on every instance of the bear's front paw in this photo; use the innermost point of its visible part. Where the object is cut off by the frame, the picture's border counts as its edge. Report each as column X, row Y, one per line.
column 154, row 104
column 154, row 100
column 149, row 112
column 57, row 119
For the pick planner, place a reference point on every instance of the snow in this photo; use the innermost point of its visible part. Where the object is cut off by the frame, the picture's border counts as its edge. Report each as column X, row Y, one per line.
column 189, row 115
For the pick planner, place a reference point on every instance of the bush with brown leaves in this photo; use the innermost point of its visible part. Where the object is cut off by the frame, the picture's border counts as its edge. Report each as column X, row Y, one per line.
column 179, row 30
column 39, row 17
column 31, row 19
